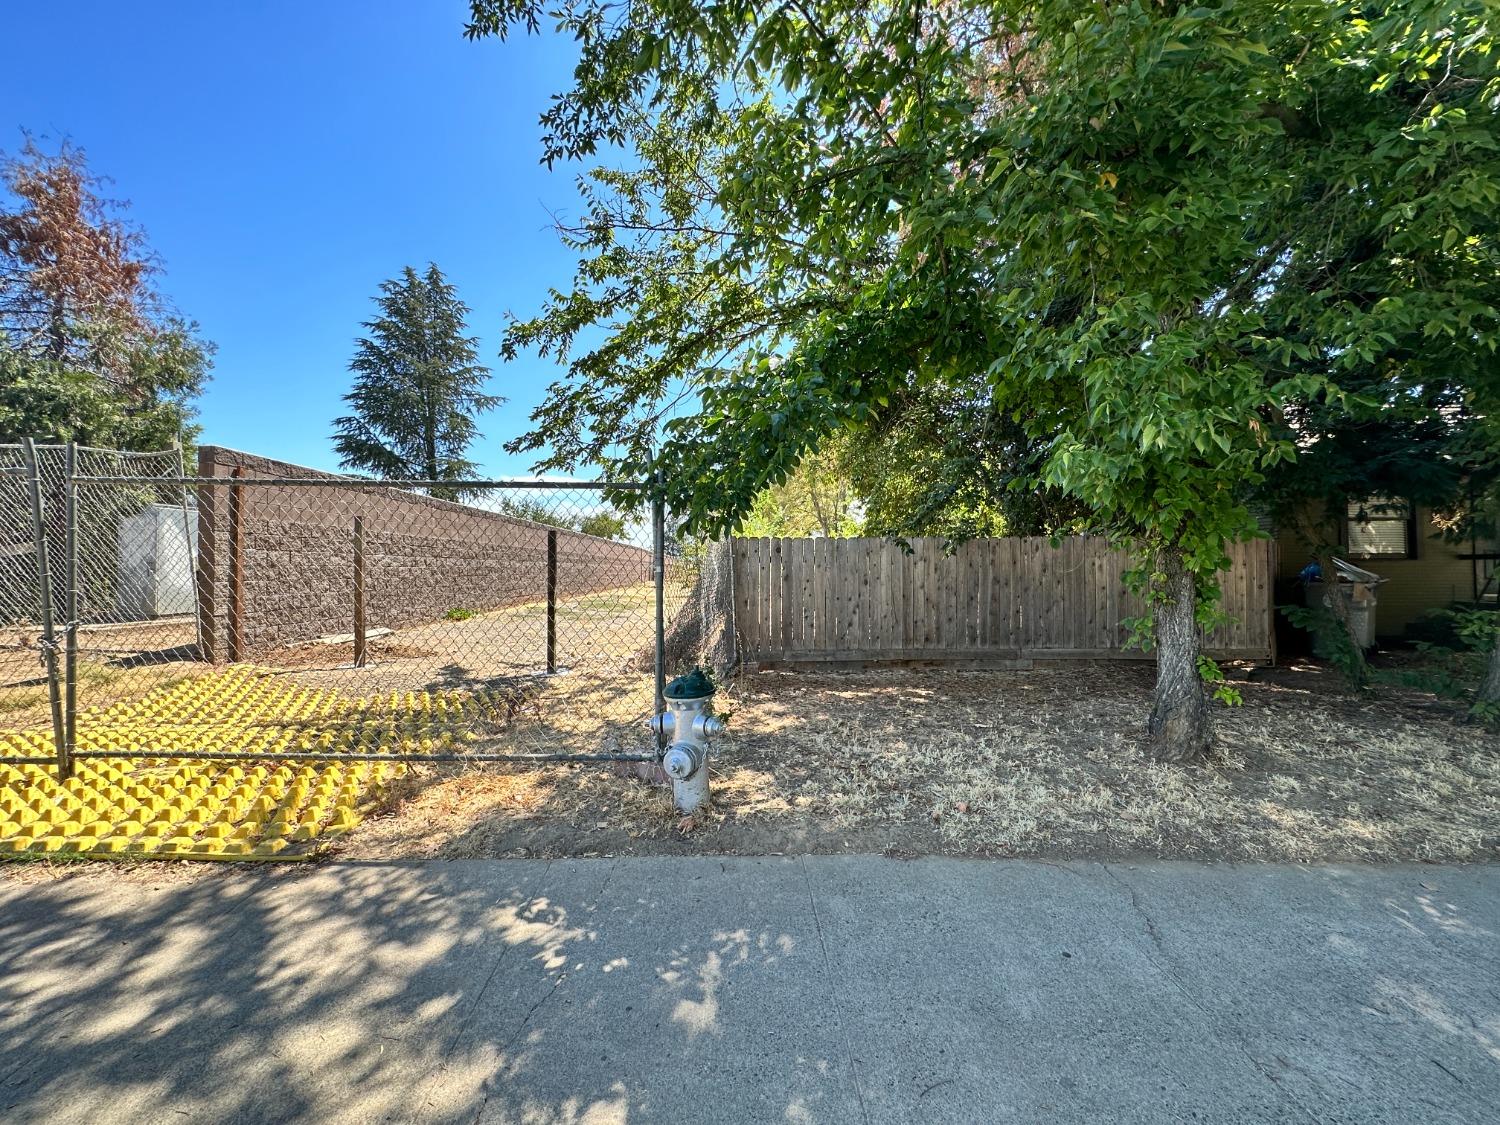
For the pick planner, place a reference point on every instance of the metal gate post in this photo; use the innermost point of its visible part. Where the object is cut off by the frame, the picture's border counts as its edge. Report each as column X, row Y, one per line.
column 70, row 609
column 659, row 576
column 44, row 589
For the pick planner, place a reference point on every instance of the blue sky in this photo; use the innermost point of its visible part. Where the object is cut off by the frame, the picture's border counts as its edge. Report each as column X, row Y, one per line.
column 285, row 157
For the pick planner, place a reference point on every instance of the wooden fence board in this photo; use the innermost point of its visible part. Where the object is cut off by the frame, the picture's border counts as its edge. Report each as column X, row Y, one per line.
column 762, row 595
column 810, row 593
column 870, row 599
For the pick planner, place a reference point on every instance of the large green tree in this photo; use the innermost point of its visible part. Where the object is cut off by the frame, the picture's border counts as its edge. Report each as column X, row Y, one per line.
column 418, row 386
column 950, row 459
column 816, row 498
column 90, row 350
column 1146, row 227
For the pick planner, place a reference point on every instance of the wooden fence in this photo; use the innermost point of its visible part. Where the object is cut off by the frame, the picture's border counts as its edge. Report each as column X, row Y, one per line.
column 998, row 599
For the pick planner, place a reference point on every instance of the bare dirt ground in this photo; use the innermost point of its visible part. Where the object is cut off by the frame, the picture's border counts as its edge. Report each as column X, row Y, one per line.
column 591, row 631
column 1044, row 762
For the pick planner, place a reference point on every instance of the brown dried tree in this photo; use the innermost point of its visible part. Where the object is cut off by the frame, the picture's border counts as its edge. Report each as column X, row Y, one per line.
column 89, row 350
column 69, row 262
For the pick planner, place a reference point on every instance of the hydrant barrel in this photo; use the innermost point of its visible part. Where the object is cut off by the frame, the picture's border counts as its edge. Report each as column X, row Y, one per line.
column 687, row 719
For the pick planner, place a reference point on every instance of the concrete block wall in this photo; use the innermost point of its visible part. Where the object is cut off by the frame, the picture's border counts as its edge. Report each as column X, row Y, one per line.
column 423, row 557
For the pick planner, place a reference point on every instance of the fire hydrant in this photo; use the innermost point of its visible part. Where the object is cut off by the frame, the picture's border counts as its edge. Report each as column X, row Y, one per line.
column 689, row 724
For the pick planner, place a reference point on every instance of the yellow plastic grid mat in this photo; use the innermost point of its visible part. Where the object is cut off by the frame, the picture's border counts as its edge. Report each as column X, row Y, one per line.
column 253, row 809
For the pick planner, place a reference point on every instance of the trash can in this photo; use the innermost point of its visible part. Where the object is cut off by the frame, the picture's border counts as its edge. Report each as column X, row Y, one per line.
column 1357, row 589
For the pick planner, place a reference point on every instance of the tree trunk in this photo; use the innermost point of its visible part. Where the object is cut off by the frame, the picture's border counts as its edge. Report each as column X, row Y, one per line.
column 1353, row 664
column 429, row 441
column 1336, row 604
column 1489, row 690
column 1180, row 728
column 57, row 330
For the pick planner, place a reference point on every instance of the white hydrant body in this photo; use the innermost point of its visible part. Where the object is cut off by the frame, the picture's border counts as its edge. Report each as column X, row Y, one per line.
column 688, row 724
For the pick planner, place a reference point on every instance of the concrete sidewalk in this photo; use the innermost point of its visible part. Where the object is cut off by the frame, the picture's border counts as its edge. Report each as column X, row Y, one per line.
column 833, row 989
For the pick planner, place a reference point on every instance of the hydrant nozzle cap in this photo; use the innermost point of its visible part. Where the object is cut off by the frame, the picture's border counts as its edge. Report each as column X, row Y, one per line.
column 697, row 684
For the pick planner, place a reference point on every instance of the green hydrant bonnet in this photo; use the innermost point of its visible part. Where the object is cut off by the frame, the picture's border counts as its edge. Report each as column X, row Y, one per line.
column 695, row 685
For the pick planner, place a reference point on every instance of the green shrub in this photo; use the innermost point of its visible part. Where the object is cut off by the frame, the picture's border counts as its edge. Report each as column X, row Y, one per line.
column 1332, row 642
column 1454, row 670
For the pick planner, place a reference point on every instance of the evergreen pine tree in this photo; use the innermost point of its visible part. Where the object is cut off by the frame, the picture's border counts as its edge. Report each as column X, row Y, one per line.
column 417, row 386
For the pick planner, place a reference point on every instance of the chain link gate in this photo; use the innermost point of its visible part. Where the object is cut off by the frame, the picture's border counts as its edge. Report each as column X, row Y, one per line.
column 34, row 524
column 261, row 621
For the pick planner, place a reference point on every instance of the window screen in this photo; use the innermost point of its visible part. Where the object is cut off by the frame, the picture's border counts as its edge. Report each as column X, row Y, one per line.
column 1380, row 528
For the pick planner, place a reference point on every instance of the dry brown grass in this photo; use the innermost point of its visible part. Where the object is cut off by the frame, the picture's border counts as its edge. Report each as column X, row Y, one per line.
column 1043, row 762
column 116, row 663
column 1049, row 762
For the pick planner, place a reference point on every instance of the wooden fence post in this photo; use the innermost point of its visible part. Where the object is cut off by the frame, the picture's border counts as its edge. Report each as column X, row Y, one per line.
column 236, row 644
column 551, row 600
column 359, row 592
column 205, row 568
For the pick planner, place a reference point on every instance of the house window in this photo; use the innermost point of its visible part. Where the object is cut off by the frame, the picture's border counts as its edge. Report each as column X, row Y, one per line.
column 1381, row 528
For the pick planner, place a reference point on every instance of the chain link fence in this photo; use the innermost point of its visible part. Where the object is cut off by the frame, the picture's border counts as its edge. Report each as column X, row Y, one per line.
column 243, row 614
column 701, row 627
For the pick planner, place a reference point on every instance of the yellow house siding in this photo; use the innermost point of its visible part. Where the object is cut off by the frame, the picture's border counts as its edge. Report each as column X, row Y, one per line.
column 1435, row 579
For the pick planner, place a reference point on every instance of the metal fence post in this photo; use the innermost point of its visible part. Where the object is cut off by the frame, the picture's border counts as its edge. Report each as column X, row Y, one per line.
column 360, row 654
column 551, row 600
column 70, row 608
column 659, row 576
column 44, row 590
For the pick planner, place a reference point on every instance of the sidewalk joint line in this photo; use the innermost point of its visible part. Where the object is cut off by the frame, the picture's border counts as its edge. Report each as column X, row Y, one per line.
column 838, row 1013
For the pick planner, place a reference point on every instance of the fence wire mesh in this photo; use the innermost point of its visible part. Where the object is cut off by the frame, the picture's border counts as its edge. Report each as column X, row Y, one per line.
column 22, row 678
column 242, row 664
column 283, row 618
column 701, row 623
